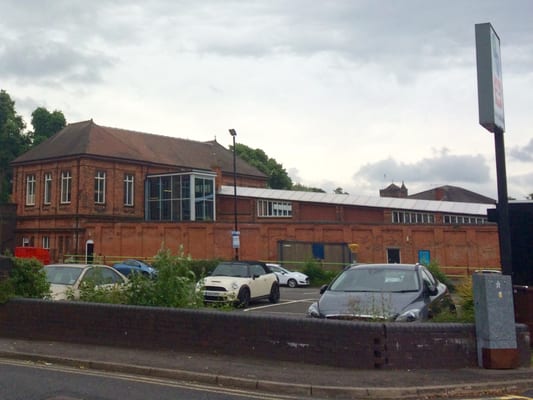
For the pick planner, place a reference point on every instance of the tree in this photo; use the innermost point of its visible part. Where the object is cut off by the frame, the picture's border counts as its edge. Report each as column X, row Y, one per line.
column 302, row 188
column 46, row 124
column 340, row 190
column 277, row 176
column 13, row 142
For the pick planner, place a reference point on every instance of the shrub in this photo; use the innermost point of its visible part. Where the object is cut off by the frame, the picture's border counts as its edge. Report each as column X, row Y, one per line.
column 175, row 284
column 317, row 275
column 6, row 290
column 434, row 268
column 203, row 268
column 466, row 300
column 97, row 294
column 28, row 278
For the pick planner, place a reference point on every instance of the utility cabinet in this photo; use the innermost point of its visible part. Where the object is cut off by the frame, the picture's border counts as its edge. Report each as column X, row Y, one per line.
column 495, row 322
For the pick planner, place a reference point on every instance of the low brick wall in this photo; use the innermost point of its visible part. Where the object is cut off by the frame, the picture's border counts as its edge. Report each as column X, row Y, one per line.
column 337, row 343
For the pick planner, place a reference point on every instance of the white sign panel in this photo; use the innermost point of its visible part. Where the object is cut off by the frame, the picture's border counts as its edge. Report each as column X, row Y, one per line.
column 489, row 78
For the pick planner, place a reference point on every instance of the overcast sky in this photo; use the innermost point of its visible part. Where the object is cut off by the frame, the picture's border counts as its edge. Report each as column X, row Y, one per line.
column 353, row 94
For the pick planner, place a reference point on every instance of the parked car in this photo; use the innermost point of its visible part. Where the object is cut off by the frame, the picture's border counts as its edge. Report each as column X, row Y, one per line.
column 66, row 279
column 240, row 282
column 288, row 278
column 388, row 292
column 127, row 267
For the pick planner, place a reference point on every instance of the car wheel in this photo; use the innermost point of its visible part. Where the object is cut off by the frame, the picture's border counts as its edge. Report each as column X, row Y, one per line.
column 243, row 298
column 274, row 293
column 291, row 283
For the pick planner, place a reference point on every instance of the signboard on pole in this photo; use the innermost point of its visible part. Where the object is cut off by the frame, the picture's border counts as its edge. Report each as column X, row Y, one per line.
column 235, row 239
column 489, row 78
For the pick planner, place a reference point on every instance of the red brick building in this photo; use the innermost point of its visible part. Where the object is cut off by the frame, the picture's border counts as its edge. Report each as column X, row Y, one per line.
column 121, row 193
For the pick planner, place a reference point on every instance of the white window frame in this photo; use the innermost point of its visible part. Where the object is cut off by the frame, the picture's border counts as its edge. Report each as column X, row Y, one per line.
column 99, row 187
column 66, row 184
column 274, row 208
column 46, row 242
column 47, row 191
column 30, row 190
column 129, row 189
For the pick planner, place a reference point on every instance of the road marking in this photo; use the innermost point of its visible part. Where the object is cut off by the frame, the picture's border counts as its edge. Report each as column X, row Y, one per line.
column 279, row 304
column 150, row 380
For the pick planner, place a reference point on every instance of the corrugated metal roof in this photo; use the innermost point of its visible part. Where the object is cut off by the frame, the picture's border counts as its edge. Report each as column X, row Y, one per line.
column 362, row 201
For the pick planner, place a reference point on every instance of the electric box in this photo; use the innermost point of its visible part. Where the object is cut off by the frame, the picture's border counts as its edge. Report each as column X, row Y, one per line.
column 495, row 323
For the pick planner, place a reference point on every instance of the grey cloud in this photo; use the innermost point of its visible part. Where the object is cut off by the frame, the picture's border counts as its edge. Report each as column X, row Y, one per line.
column 443, row 169
column 397, row 35
column 524, row 153
column 50, row 61
column 402, row 37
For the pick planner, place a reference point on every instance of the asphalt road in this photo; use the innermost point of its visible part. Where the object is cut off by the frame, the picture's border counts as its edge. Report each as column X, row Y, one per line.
column 293, row 302
column 42, row 381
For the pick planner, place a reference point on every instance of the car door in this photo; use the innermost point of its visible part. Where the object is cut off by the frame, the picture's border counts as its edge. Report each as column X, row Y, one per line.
column 102, row 277
column 281, row 274
column 260, row 284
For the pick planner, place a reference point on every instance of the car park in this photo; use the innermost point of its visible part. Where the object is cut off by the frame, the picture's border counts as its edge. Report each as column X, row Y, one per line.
column 239, row 282
column 383, row 292
column 288, row 278
column 66, row 280
column 129, row 266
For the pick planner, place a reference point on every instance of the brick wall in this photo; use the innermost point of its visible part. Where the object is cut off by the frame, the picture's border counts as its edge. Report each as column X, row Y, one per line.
column 337, row 343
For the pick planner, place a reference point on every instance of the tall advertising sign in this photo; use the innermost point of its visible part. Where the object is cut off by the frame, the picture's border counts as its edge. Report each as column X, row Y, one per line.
column 491, row 117
column 489, row 78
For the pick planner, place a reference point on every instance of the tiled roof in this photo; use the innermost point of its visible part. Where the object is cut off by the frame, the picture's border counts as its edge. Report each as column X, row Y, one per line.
column 88, row 138
column 391, row 203
column 452, row 193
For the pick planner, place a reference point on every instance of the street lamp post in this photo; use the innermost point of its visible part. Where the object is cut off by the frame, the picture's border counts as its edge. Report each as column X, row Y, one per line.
column 235, row 234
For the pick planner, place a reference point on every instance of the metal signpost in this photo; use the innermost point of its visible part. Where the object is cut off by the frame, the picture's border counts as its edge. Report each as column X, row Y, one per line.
column 492, row 118
column 493, row 294
column 235, row 234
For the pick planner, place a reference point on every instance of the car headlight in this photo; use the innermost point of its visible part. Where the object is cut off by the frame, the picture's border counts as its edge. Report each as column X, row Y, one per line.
column 312, row 311
column 409, row 315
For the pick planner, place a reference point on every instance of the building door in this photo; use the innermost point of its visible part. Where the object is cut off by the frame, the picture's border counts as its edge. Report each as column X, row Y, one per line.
column 89, row 251
column 393, row 256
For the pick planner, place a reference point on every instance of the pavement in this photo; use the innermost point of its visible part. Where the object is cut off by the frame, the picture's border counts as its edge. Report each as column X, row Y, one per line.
column 298, row 380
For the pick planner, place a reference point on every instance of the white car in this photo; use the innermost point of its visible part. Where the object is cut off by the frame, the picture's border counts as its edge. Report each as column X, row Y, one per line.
column 66, row 279
column 240, row 282
column 288, row 278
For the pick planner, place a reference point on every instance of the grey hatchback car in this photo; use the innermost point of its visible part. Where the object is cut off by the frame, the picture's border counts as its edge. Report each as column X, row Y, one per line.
column 383, row 292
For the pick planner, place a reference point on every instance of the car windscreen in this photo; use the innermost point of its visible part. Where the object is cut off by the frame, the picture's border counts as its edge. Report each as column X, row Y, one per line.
column 62, row 275
column 231, row 269
column 377, row 280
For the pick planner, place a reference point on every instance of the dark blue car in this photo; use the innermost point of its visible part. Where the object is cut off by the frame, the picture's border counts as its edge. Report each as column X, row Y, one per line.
column 127, row 267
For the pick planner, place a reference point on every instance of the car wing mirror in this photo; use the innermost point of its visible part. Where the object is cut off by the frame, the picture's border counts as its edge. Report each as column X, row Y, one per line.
column 431, row 289
column 323, row 288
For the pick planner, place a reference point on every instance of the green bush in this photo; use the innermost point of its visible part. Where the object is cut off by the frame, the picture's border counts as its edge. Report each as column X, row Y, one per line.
column 466, row 300
column 90, row 292
column 434, row 268
column 28, row 278
column 317, row 275
column 203, row 268
column 175, row 285
column 6, row 290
